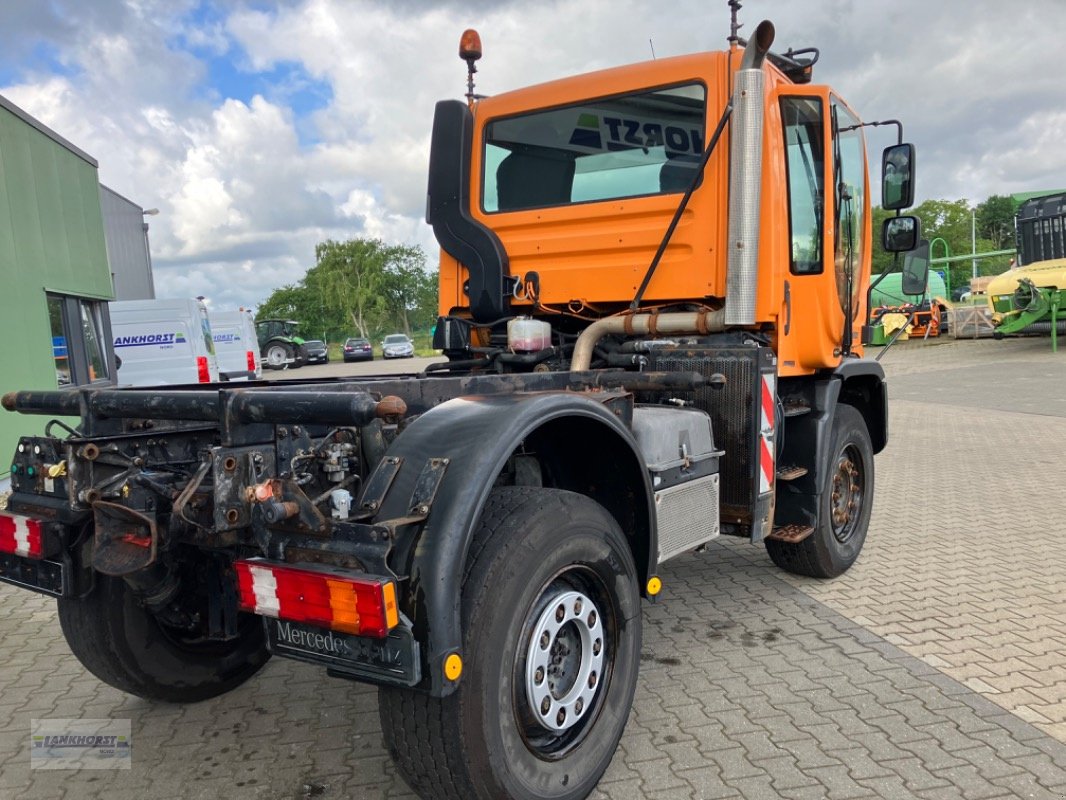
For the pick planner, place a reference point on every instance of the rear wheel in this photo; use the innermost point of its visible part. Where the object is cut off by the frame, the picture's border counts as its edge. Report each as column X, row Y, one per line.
column 278, row 354
column 126, row 646
column 552, row 635
column 844, row 514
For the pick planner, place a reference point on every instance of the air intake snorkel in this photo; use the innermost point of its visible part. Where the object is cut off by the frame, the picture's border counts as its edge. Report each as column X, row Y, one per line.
column 745, row 178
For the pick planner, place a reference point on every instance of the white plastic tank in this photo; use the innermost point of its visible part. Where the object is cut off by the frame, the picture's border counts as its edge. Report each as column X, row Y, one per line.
column 525, row 335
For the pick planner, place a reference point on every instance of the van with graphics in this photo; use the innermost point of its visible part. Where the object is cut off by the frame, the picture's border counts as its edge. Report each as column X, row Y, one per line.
column 236, row 347
column 163, row 342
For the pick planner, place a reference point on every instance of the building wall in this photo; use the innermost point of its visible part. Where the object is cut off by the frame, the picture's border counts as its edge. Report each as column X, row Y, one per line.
column 51, row 241
column 126, row 235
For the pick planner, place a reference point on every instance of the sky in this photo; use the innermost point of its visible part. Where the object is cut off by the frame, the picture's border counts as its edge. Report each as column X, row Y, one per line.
column 259, row 128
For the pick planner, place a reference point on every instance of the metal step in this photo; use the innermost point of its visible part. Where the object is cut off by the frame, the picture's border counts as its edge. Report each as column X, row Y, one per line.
column 791, row 533
column 796, row 409
column 790, row 473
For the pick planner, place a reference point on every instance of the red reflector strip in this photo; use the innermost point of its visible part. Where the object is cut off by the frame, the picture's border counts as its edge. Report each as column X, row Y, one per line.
column 327, row 598
column 20, row 535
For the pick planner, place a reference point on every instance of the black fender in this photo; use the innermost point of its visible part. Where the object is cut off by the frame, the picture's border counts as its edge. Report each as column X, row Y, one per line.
column 856, row 382
column 478, row 435
column 862, row 384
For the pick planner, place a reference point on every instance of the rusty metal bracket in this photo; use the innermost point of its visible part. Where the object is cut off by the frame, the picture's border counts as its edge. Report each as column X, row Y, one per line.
column 377, row 486
column 234, row 470
column 426, row 487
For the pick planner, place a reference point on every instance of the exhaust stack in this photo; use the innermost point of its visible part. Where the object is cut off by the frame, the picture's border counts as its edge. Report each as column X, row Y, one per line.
column 745, row 178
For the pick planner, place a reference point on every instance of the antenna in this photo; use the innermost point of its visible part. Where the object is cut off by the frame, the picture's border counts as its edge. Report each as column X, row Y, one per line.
column 651, row 44
column 734, row 26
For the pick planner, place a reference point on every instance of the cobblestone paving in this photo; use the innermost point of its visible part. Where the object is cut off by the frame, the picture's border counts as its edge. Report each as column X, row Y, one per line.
column 752, row 684
column 965, row 566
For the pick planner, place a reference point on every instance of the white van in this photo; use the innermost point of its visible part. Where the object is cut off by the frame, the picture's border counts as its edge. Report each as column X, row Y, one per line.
column 161, row 342
column 235, row 345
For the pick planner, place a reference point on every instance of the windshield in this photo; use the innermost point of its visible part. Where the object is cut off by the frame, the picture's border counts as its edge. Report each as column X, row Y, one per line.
column 398, row 338
column 636, row 144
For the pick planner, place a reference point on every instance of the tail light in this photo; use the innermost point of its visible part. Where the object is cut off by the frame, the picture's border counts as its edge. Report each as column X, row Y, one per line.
column 21, row 536
column 318, row 595
column 203, row 374
column 251, row 361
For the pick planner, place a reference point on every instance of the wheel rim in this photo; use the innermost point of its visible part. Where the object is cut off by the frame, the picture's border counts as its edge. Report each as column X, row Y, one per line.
column 564, row 665
column 276, row 356
column 847, row 493
column 565, row 660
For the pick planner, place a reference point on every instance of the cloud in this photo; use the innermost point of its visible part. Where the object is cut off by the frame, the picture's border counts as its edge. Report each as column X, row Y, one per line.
column 260, row 128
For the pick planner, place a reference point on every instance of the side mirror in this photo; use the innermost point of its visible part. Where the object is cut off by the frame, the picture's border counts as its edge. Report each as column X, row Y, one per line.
column 916, row 270
column 900, row 234
column 897, row 177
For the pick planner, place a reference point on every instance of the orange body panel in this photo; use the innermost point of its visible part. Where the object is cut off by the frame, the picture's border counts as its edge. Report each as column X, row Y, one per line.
column 593, row 255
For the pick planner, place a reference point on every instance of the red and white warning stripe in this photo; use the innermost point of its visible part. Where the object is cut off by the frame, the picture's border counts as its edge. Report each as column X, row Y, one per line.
column 766, row 434
column 20, row 535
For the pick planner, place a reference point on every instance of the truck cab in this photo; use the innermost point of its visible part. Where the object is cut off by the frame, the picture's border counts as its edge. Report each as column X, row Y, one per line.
column 578, row 181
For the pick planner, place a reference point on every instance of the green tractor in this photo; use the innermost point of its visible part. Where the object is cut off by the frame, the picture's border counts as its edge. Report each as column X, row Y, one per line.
column 279, row 346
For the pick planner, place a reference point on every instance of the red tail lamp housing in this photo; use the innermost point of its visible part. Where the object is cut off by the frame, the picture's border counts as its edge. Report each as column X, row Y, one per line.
column 329, row 597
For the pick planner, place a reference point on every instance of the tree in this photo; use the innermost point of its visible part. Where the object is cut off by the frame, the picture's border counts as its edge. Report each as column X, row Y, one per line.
column 349, row 278
column 408, row 289
column 995, row 221
column 363, row 284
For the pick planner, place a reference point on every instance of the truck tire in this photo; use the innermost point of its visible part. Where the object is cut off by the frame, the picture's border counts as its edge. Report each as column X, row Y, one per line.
column 847, row 498
column 278, row 355
column 552, row 636
column 123, row 644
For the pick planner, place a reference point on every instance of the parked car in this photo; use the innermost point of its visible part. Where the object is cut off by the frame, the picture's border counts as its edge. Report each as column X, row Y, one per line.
column 357, row 350
column 315, row 352
column 397, row 345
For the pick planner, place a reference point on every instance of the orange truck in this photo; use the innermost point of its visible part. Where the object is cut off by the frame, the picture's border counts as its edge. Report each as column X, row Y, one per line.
column 652, row 286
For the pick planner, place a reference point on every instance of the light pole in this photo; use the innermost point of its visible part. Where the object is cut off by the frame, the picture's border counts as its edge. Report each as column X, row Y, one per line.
column 149, row 212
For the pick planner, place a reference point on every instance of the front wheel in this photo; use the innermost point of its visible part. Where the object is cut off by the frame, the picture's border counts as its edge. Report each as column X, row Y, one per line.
column 126, row 646
column 552, row 636
column 844, row 511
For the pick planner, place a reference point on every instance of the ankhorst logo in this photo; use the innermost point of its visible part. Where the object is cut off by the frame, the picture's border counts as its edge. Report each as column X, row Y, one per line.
column 150, row 339
column 80, row 744
column 596, row 133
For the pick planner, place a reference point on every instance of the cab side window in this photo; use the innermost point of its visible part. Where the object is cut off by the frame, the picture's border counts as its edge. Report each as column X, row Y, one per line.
column 849, row 177
column 805, row 167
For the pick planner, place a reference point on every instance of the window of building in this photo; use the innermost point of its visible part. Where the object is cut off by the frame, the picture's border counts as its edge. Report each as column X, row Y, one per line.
column 805, row 168
column 638, row 144
column 78, row 340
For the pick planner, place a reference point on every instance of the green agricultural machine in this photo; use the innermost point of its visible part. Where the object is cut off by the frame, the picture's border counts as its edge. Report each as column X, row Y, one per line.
column 1033, row 295
column 279, row 346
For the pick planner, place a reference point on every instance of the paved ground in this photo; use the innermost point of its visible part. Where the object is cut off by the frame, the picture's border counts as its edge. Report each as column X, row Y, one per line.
column 935, row 668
